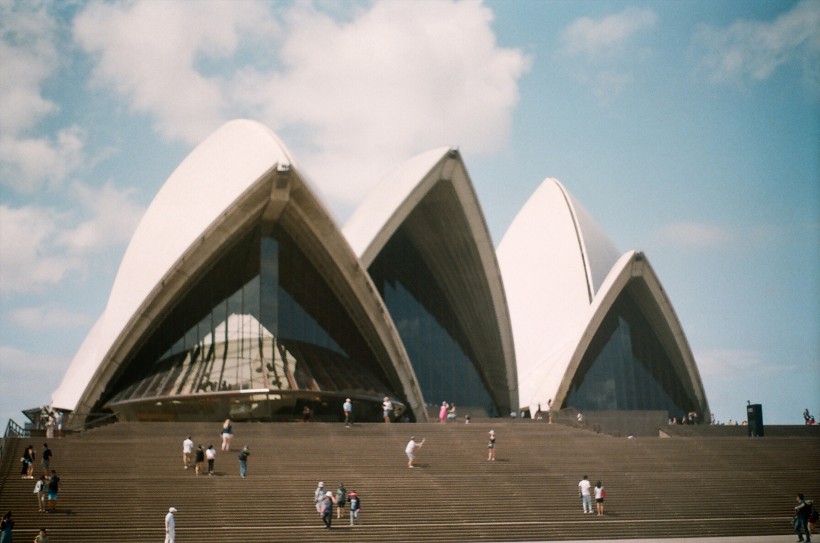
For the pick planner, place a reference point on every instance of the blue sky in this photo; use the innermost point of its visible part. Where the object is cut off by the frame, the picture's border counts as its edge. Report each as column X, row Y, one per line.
column 689, row 129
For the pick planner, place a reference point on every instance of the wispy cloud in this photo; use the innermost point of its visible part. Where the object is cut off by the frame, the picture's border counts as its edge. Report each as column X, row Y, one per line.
column 42, row 246
column 692, row 235
column 28, row 379
column 47, row 317
column 753, row 50
column 352, row 98
column 718, row 363
column 603, row 52
column 28, row 57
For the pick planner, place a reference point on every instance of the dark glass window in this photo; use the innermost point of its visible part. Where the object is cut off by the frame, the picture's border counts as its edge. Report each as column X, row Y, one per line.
column 428, row 328
column 261, row 318
column 626, row 368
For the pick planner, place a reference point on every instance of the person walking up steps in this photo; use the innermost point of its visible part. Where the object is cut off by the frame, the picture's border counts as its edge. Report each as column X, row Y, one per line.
column 227, row 435
column 586, row 498
column 600, row 493
column 187, row 451
column 170, row 525
column 347, row 407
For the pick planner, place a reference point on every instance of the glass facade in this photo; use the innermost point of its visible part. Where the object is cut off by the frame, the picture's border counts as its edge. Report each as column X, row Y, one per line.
column 437, row 347
column 626, row 368
column 262, row 318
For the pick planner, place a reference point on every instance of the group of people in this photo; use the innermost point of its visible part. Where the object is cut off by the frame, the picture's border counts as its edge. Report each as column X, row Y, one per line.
column 586, row 491
column 805, row 518
column 808, row 418
column 202, row 455
column 447, row 412
column 325, row 500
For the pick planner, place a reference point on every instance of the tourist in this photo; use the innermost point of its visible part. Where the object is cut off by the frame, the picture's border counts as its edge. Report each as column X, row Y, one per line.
column 586, row 498
column 451, row 413
column 210, row 456
column 802, row 512
column 387, row 409
column 491, row 446
column 341, row 499
column 42, row 537
column 47, row 454
column 327, row 509
column 347, row 407
column 410, row 450
column 600, row 493
column 53, row 492
column 355, row 506
column 6, row 527
column 170, row 525
column 243, row 461
column 227, row 435
column 549, row 411
column 40, row 492
column 442, row 412
column 27, row 462
column 306, row 414
column 187, row 450
column 50, row 424
column 318, row 496
column 199, row 460
column 58, row 422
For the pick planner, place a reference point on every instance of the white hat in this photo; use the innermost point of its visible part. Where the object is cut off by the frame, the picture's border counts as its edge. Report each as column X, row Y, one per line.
column 329, row 493
column 321, row 483
column 172, row 509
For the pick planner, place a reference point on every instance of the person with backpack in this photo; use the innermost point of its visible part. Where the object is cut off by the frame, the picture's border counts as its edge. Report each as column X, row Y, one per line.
column 341, row 500
column 802, row 512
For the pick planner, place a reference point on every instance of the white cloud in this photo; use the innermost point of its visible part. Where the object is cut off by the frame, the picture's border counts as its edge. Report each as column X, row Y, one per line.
column 754, row 50
column 351, row 98
column 40, row 246
column 395, row 80
column 602, row 54
column 28, row 380
column 152, row 52
column 605, row 37
column 720, row 363
column 28, row 57
column 692, row 235
column 47, row 317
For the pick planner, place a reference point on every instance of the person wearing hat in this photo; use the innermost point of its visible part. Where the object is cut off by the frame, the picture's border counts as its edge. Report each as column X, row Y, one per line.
column 491, row 446
column 355, row 506
column 318, row 496
column 347, row 407
column 170, row 525
column 327, row 509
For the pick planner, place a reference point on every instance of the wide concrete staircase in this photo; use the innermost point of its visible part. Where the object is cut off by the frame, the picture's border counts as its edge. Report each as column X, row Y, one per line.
column 118, row 482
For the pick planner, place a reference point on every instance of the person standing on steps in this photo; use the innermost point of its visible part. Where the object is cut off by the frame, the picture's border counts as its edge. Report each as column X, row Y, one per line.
column 327, row 509
column 227, row 435
column 6, row 527
column 187, row 451
column 210, row 455
column 243, row 461
column 318, row 496
column 410, row 450
column 42, row 536
column 53, row 492
column 355, row 506
column 600, row 493
column 170, row 525
column 47, row 454
column 199, row 460
column 442, row 412
column 341, row 500
column 40, row 492
column 347, row 407
column 491, row 446
column 802, row 512
column 586, row 498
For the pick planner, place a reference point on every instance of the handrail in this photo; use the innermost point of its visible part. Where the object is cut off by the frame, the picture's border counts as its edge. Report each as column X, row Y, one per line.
column 12, row 430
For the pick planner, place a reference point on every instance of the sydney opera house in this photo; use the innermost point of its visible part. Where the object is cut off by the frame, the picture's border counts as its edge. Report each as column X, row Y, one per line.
column 239, row 296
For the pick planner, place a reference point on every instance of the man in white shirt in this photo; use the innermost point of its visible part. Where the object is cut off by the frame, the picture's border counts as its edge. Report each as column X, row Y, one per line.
column 170, row 525
column 586, row 498
column 187, row 450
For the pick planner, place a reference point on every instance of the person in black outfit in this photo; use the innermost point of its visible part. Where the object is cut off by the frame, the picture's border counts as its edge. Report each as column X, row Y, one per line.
column 802, row 512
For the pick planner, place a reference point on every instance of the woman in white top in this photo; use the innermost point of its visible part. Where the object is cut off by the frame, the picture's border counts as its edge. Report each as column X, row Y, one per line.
column 599, row 498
